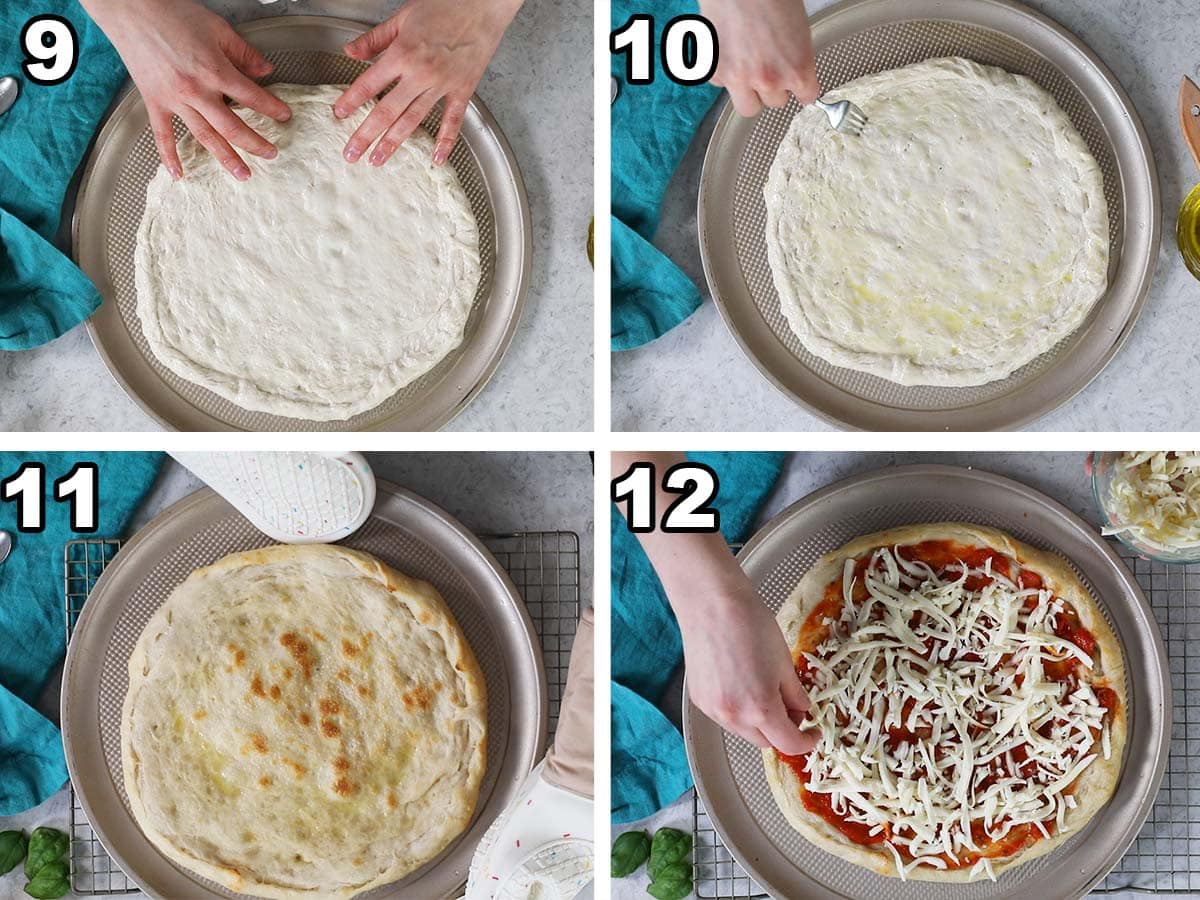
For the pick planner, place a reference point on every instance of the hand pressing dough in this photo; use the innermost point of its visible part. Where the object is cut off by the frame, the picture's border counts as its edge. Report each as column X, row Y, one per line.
column 317, row 288
column 964, row 233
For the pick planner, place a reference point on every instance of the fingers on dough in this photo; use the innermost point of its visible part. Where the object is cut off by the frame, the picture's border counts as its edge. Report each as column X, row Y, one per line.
column 453, row 113
column 402, row 129
column 214, row 143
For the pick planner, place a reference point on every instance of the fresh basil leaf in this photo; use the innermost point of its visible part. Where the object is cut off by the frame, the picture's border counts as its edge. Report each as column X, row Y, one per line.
column 670, row 846
column 46, row 845
column 681, row 869
column 672, row 884
column 12, row 850
column 629, row 851
column 52, row 881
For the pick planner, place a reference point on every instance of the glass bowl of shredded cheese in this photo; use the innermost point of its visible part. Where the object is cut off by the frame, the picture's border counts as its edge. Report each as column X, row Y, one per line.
column 1150, row 501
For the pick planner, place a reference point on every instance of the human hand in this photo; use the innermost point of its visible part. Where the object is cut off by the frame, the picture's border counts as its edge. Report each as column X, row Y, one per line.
column 434, row 50
column 765, row 51
column 740, row 671
column 185, row 61
column 739, row 667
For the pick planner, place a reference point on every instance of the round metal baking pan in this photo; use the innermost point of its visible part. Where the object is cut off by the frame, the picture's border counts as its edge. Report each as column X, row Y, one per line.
column 112, row 197
column 859, row 37
column 729, row 771
column 406, row 532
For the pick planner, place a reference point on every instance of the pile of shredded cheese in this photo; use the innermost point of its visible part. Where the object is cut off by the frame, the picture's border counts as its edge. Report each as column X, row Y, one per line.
column 969, row 672
column 1155, row 497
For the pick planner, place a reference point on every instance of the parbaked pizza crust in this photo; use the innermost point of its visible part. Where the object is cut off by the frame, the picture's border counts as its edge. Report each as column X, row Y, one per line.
column 303, row 721
column 1095, row 786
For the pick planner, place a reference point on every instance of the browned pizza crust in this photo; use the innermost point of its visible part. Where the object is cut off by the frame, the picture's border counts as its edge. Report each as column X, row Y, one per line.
column 1095, row 786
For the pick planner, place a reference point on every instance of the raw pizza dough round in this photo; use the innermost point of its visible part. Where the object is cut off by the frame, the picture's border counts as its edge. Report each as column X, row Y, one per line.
column 303, row 721
column 964, row 233
column 1091, row 791
column 316, row 289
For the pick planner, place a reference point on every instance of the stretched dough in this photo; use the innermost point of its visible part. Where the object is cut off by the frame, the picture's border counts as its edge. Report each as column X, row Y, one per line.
column 964, row 233
column 317, row 288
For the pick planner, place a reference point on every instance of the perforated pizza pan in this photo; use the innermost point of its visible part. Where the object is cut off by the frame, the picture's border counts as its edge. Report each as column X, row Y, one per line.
column 112, row 197
column 729, row 771
column 860, row 37
column 406, row 532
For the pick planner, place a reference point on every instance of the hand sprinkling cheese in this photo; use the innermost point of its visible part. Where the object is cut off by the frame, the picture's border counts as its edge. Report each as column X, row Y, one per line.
column 740, row 671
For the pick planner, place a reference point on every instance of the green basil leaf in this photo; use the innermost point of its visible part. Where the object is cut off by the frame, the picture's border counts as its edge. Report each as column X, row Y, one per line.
column 12, row 850
column 681, row 869
column 629, row 851
column 670, row 846
column 52, row 881
column 670, row 885
column 46, row 845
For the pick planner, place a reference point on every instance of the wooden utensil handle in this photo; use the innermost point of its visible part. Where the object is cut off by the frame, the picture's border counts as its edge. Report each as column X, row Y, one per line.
column 1189, row 116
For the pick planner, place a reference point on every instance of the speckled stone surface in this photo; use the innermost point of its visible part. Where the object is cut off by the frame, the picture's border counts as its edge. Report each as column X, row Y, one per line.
column 1060, row 476
column 696, row 378
column 490, row 493
column 539, row 88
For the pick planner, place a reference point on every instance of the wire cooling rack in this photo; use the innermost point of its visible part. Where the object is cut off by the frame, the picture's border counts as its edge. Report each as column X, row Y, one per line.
column 92, row 870
column 544, row 566
column 1165, row 857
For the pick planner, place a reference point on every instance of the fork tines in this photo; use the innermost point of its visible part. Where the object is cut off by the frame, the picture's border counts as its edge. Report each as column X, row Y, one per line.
column 854, row 121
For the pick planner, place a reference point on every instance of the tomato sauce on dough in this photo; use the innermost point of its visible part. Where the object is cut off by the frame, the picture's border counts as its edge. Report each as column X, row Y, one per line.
column 940, row 555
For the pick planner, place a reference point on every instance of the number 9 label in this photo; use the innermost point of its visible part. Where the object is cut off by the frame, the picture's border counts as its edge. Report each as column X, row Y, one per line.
column 51, row 49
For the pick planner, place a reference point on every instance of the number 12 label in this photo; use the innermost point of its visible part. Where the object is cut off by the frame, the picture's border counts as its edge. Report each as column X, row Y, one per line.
column 695, row 483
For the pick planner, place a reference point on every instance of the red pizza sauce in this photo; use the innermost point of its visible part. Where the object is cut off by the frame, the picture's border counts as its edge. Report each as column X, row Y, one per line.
column 939, row 555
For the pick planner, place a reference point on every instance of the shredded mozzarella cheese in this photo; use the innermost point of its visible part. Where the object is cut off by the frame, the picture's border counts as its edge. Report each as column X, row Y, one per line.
column 1155, row 496
column 924, row 693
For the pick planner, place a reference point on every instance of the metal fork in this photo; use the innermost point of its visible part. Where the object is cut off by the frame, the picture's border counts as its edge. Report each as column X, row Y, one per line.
column 843, row 116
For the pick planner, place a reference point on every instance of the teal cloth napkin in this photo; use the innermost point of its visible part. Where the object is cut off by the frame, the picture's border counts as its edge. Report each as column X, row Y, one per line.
column 652, row 125
column 649, row 763
column 42, row 141
column 31, row 613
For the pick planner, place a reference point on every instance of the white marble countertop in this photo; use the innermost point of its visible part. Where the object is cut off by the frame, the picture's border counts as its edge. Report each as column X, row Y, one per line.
column 539, row 88
column 490, row 493
column 696, row 378
column 1060, row 476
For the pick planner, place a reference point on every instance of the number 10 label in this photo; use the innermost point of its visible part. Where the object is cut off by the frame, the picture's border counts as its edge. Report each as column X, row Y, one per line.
column 688, row 46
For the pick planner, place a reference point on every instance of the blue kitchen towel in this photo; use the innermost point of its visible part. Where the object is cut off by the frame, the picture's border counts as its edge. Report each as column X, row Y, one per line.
column 42, row 141
column 31, row 612
column 649, row 764
column 652, row 125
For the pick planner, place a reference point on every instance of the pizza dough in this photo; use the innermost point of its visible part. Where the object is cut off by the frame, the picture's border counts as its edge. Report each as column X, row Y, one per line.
column 994, row 697
column 317, row 288
column 964, row 233
column 302, row 721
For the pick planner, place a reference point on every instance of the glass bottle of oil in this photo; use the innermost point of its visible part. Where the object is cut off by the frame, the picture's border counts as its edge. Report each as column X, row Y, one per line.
column 1187, row 231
